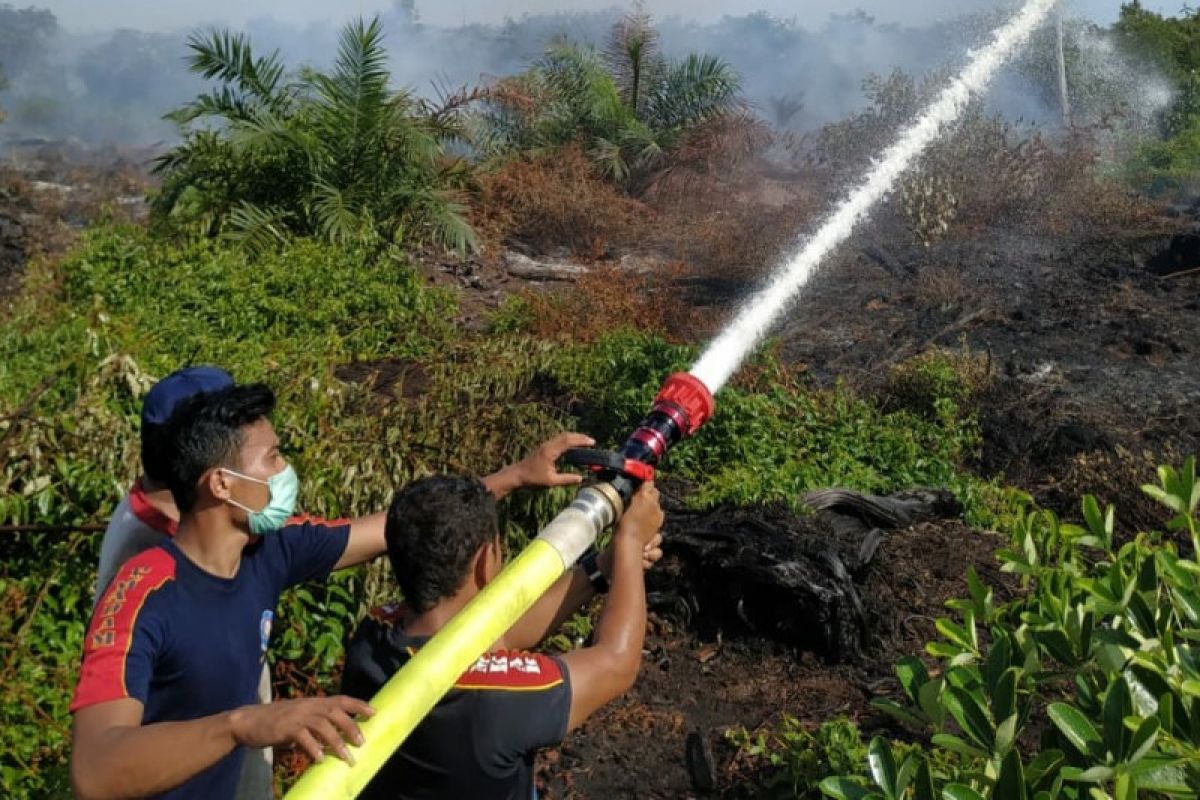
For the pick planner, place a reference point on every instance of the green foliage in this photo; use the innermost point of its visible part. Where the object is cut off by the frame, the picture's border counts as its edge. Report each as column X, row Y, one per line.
column 1102, row 647
column 796, row 760
column 627, row 105
column 335, row 154
column 939, row 377
column 1172, row 44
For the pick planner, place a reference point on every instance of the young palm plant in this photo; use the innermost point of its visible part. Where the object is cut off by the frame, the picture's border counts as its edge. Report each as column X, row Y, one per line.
column 337, row 154
column 630, row 107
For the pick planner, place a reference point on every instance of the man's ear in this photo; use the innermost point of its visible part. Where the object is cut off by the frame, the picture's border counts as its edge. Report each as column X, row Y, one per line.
column 218, row 483
column 479, row 565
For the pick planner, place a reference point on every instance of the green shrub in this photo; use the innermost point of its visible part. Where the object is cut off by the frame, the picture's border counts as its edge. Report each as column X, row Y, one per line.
column 1086, row 686
column 795, row 760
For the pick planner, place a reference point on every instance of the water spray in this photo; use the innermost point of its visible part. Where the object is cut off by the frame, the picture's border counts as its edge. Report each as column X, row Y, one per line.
column 681, row 407
column 731, row 347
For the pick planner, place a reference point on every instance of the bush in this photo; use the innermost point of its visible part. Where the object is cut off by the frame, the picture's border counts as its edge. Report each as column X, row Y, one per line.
column 794, row 760
column 556, row 200
column 334, row 154
column 1087, row 686
column 939, row 382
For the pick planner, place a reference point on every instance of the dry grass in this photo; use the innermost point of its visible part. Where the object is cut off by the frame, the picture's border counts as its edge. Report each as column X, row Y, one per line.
column 610, row 298
column 555, row 201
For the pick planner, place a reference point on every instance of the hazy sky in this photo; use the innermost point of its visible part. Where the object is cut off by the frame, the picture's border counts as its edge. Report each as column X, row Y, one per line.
column 85, row 15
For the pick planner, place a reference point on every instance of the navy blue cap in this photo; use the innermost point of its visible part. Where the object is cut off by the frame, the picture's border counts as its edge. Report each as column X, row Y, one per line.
column 179, row 386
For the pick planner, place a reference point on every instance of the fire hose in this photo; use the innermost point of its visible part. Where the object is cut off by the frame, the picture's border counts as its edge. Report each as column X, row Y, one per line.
column 682, row 405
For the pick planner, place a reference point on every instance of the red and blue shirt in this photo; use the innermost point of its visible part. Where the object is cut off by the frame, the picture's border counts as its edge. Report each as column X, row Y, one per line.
column 188, row 644
column 480, row 739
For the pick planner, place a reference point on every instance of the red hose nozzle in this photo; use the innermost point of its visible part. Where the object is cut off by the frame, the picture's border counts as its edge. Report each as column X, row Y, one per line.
column 689, row 395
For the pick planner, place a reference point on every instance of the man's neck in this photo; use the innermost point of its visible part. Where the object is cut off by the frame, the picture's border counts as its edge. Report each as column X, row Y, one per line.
column 159, row 496
column 211, row 542
column 429, row 622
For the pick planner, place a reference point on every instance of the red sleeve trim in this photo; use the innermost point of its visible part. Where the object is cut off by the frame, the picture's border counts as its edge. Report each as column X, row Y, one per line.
column 110, row 634
column 512, row 671
column 145, row 511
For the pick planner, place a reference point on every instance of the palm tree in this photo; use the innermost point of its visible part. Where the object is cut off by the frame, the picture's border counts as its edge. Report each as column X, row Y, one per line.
column 629, row 106
column 335, row 154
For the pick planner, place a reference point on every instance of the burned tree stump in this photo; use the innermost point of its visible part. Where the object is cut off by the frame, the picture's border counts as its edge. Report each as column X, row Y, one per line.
column 794, row 579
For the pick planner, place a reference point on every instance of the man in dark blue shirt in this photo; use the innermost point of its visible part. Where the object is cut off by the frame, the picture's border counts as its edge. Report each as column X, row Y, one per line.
column 479, row 741
column 166, row 702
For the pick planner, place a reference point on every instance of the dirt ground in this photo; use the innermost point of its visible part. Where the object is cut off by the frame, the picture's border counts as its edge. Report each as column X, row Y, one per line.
column 699, row 686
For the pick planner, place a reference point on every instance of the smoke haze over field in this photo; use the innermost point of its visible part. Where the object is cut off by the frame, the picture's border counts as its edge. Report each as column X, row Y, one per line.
column 88, row 15
column 113, row 69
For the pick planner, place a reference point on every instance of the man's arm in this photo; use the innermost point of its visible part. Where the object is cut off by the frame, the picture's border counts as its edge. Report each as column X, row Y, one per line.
column 565, row 597
column 609, row 667
column 114, row 755
column 538, row 469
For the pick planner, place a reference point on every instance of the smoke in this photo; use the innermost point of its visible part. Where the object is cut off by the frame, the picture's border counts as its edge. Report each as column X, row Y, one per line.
column 800, row 71
column 726, row 353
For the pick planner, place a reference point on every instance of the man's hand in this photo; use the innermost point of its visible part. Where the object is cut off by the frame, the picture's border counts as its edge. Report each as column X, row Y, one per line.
column 312, row 724
column 642, row 523
column 652, row 552
column 539, row 468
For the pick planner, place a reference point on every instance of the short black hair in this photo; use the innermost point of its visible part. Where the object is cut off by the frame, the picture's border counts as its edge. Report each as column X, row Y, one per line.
column 205, row 432
column 156, row 455
column 435, row 526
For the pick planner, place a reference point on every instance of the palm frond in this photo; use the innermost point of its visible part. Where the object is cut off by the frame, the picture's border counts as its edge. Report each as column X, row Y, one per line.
column 693, row 90
column 634, row 57
column 256, row 229
column 339, row 220
column 229, row 58
column 353, row 99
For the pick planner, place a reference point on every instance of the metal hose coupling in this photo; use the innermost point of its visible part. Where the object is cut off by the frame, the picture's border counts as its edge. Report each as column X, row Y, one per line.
column 682, row 405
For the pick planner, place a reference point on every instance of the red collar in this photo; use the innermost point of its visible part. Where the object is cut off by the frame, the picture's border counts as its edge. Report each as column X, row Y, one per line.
column 144, row 510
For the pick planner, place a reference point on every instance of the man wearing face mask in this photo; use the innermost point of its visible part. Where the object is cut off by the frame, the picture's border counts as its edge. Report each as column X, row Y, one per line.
column 166, row 702
column 147, row 516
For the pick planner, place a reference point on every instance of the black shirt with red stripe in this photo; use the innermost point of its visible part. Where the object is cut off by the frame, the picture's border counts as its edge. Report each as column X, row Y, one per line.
column 480, row 739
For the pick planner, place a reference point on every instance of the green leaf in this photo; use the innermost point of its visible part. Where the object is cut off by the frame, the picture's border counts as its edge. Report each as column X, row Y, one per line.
column 913, row 675
column 1044, row 766
column 1095, row 774
column 844, row 789
column 971, row 717
column 883, row 766
column 1117, row 706
column 1126, row 788
column 1056, row 643
column 1075, row 727
column 1010, row 784
column 904, row 715
column 998, row 658
column 930, row 700
column 957, row 745
column 923, row 786
column 956, row 633
column 1004, row 697
column 958, row 791
column 1006, row 734
column 1142, row 741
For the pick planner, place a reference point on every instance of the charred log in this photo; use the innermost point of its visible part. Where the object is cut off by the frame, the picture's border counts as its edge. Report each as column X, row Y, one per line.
column 798, row 580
